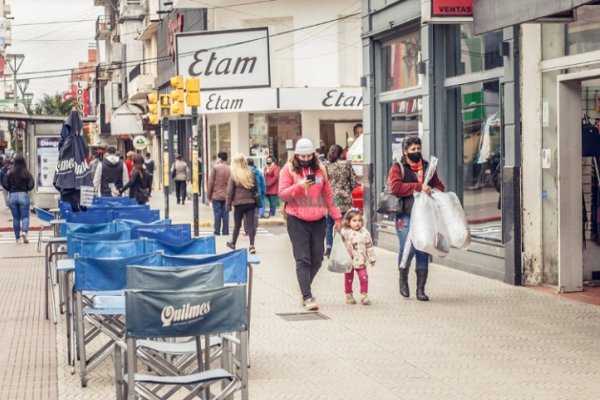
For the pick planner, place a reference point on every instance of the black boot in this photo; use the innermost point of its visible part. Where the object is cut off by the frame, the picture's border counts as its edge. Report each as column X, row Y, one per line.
column 404, row 290
column 421, row 281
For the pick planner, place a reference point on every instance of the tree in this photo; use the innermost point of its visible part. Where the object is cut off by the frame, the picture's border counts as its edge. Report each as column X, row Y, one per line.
column 53, row 105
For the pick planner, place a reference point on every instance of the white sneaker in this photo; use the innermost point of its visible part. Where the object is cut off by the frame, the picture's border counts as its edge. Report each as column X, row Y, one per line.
column 311, row 304
column 24, row 237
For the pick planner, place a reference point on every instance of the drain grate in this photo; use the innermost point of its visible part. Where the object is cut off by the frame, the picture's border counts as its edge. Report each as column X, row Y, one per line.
column 302, row 316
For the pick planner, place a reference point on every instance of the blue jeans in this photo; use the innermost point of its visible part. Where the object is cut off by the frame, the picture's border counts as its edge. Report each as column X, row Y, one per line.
column 18, row 203
column 329, row 232
column 402, row 228
column 221, row 214
column 273, row 203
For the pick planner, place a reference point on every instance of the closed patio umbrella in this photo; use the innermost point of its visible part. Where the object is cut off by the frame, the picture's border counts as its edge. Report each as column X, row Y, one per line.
column 72, row 170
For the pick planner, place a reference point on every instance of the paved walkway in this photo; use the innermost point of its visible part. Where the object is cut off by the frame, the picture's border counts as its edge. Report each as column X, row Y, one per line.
column 476, row 339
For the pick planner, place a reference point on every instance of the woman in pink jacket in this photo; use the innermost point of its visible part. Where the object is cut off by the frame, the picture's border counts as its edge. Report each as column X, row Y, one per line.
column 305, row 189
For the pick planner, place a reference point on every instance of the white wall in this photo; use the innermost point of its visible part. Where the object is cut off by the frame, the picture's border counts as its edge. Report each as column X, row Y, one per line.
column 327, row 55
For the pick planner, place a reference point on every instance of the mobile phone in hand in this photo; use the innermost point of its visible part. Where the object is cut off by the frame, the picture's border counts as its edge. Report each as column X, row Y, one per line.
column 310, row 177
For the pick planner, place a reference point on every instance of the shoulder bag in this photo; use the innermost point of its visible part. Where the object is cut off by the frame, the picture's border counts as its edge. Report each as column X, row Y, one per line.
column 389, row 203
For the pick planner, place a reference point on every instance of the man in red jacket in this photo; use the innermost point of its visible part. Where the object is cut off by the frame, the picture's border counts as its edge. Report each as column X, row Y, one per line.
column 271, row 173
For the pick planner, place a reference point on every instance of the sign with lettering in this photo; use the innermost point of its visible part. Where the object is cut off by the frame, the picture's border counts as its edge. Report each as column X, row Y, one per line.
column 225, row 59
column 452, row 8
column 249, row 100
column 320, row 98
column 81, row 94
column 47, row 159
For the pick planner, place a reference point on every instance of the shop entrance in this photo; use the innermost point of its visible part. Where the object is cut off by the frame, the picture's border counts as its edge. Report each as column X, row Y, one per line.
column 336, row 132
column 573, row 102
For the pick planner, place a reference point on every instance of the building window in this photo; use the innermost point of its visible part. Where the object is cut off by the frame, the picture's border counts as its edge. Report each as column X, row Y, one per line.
column 477, row 52
column 582, row 35
column 400, row 58
column 269, row 134
column 480, row 128
column 220, row 140
column 406, row 119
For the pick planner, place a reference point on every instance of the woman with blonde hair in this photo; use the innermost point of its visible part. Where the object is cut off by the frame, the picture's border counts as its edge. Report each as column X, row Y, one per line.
column 241, row 195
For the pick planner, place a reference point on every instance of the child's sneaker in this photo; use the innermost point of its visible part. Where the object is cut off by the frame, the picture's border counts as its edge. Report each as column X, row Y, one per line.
column 311, row 304
column 364, row 299
column 350, row 299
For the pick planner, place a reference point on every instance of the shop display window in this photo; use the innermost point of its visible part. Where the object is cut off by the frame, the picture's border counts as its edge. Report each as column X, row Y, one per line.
column 480, row 127
column 269, row 134
column 406, row 119
column 400, row 58
column 477, row 52
column 219, row 140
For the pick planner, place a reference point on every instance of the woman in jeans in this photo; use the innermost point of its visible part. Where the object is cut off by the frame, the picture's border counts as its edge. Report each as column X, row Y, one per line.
column 18, row 182
column 241, row 190
column 181, row 174
column 343, row 180
column 404, row 179
column 305, row 189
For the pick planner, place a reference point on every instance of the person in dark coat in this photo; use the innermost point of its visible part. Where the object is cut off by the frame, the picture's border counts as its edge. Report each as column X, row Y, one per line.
column 140, row 184
column 111, row 170
column 404, row 179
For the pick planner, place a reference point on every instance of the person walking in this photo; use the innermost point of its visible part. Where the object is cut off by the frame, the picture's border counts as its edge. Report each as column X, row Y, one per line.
column 140, row 184
column 404, row 179
column 150, row 166
column 242, row 193
column 129, row 163
column 18, row 182
column 111, row 170
column 4, row 168
column 271, row 172
column 359, row 244
column 262, row 190
column 216, row 193
column 305, row 189
column 181, row 174
column 343, row 180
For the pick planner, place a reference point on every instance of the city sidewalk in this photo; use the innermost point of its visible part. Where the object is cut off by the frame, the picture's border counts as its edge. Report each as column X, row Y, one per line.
column 476, row 339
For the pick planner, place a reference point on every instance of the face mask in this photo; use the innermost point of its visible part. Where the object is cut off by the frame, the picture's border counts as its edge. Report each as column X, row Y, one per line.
column 414, row 157
column 269, row 162
column 305, row 164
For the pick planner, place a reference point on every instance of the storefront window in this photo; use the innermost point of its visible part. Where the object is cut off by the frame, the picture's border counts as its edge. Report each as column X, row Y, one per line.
column 220, row 140
column 480, row 127
column 269, row 134
column 406, row 120
column 400, row 58
column 583, row 34
column 477, row 52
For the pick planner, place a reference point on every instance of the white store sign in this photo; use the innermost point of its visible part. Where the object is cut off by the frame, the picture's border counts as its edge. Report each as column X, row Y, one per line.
column 320, row 98
column 248, row 100
column 225, row 59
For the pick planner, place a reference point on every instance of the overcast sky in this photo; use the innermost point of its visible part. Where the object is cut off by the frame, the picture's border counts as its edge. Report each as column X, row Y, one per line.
column 53, row 46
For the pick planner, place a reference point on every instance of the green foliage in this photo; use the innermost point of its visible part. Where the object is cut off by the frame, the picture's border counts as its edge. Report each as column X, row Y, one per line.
column 53, row 105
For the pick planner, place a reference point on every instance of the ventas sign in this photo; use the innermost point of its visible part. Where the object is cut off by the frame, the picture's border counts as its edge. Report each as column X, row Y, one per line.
column 452, row 8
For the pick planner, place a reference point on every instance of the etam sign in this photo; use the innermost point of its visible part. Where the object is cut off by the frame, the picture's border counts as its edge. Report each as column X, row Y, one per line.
column 230, row 59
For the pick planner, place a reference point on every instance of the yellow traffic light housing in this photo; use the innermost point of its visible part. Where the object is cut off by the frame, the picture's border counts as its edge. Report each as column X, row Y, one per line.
column 153, row 108
column 176, row 96
column 178, row 109
column 177, row 82
column 192, row 92
column 165, row 105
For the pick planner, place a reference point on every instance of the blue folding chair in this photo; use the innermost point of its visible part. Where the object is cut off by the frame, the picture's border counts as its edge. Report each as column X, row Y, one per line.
column 45, row 217
column 120, row 207
column 196, row 246
column 235, row 264
column 122, row 224
column 146, row 216
column 116, row 201
column 173, row 234
column 185, row 313
column 75, row 240
column 90, row 217
column 91, row 228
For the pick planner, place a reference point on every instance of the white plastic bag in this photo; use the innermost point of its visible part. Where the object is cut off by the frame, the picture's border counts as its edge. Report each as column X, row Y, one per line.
column 454, row 218
column 188, row 191
column 339, row 259
column 427, row 230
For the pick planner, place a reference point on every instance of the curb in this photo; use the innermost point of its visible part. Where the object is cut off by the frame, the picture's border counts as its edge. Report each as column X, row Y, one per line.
column 31, row 228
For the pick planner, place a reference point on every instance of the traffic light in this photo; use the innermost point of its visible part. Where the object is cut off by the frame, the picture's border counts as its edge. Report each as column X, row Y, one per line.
column 153, row 108
column 177, row 104
column 192, row 92
column 165, row 105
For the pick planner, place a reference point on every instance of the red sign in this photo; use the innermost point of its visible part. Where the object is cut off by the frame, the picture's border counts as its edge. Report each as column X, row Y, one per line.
column 81, row 95
column 1, row 65
column 452, row 8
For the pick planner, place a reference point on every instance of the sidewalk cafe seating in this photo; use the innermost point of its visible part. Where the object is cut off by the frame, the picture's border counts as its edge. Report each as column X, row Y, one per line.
column 116, row 201
column 173, row 234
column 146, row 216
column 192, row 312
column 45, row 217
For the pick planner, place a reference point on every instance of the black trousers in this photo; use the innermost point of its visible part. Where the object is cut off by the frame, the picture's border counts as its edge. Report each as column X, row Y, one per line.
column 245, row 212
column 308, row 245
column 180, row 190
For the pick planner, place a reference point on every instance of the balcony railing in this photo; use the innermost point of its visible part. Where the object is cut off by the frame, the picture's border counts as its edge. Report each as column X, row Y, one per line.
column 103, row 27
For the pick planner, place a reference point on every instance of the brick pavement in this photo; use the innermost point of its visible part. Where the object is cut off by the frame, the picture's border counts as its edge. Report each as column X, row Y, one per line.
column 476, row 339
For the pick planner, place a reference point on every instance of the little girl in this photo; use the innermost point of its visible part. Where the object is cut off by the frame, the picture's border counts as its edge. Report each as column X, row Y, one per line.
column 360, row 247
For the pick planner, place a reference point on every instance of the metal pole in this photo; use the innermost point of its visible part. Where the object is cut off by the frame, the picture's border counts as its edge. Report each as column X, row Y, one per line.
column 165, row 129
column 195, row 180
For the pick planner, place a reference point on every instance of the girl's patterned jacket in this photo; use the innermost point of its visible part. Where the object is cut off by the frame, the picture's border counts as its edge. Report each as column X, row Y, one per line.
column 360, row 247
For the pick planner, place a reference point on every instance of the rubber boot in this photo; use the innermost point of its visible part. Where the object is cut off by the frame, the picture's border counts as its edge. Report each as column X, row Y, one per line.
column 421, row 281
column 404, row 290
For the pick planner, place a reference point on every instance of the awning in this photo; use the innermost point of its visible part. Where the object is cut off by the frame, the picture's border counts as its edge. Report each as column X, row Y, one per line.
column 491, row 15
column 127, row 120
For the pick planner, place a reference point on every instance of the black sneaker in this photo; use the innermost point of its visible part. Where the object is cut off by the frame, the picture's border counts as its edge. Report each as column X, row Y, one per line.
column 231, row 245
column 252, row 250
column 327, row 252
